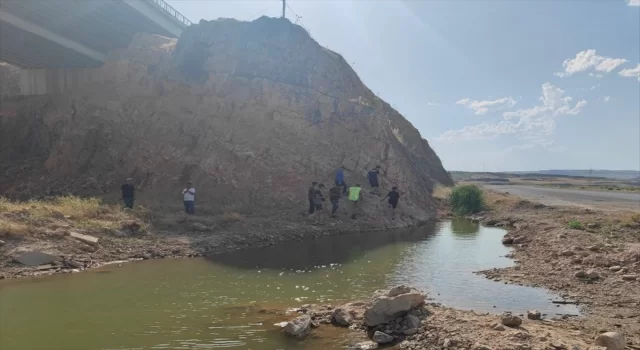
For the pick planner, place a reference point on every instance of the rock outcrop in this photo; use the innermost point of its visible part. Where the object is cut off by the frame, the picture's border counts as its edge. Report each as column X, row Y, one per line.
column 250, row 112
column 387, row 306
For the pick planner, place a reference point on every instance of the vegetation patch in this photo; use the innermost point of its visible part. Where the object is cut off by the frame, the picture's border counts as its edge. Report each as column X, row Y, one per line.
column 576, row 225
column 466, row 199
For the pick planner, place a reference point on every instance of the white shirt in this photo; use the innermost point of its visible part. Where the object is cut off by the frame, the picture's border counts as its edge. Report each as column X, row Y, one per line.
column 189, row 196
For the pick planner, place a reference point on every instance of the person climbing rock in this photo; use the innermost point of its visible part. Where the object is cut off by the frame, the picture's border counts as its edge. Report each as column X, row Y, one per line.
column 318, row 198
column 340, row 179
column 128, row 193
column 311, row 195
column 354, row 198
column 189, row 198
column 373, row 180
column 334, row 196
column 394, row 197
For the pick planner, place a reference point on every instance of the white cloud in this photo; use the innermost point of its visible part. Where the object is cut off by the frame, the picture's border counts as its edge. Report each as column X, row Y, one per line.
column 587, row 60
column 633, row 2
column 631, row 72
column 595, row 86
column 432, row 103
column 607, row 98
column 595, row 75
column 482, row 107
column 534, row 125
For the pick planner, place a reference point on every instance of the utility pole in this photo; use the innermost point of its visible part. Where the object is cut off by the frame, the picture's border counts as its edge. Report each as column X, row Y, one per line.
column 284, row 4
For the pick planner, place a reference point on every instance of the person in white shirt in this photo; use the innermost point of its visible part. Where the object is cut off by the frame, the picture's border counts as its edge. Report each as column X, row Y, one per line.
column 189, row 197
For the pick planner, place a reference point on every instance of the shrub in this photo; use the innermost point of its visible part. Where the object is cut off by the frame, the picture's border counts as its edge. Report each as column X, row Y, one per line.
column 576, row 225
column 466, row 199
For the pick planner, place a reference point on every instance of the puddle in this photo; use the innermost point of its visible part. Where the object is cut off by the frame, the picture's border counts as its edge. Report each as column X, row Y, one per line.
column 215, row 303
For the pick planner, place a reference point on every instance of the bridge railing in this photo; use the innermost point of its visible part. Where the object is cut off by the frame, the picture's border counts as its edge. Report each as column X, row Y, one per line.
column 169, row 9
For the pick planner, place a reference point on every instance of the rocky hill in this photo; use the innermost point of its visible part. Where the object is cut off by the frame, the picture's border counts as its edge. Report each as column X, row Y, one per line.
column 250, row 112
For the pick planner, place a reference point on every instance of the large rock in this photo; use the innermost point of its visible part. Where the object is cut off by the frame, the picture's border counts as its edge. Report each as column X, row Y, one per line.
column 298, row 327
column 412, row 321
column 611, row 340
column 238, row 108
column 511, row 321
column 382, row 338
column 387, row 306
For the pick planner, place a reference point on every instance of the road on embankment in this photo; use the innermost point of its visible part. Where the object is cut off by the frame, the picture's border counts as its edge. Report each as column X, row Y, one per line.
column 608, row 200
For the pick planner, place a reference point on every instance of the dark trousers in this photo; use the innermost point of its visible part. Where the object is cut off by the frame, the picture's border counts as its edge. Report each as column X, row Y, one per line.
column 344, row 186
column 312, row 206
column 190, row 207
column 335, row 204
column 128, row 202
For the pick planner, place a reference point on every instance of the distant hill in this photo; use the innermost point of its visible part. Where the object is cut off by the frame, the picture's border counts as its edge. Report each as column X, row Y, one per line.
column 610, row 174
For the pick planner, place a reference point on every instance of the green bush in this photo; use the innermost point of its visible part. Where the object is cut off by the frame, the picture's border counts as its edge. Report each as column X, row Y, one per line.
column 576, row 225
column 466, row 199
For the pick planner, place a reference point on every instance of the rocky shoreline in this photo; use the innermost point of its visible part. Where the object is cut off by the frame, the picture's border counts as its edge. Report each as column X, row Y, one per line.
column 170, row 237
column 401, row 318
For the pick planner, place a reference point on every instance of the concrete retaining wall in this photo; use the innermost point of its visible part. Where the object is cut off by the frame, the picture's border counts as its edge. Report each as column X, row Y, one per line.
column 54, row 81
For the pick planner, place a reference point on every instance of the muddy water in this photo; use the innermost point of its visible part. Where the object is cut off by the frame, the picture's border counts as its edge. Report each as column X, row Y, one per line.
column 220, row 302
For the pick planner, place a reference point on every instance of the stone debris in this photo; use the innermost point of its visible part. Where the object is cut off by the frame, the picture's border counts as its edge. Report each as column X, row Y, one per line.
column 629, row 277
column 534, row 315
column 611, row 340
column 298, row 327
column 382, row 338
column 35, row 258
column 511, row 321
column 341, row 317
column 84, row 238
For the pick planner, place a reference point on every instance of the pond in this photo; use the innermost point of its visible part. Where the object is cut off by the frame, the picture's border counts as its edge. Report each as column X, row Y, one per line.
column 218, row 302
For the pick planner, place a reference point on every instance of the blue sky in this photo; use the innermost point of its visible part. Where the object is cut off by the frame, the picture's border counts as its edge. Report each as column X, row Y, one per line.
column 493, row 85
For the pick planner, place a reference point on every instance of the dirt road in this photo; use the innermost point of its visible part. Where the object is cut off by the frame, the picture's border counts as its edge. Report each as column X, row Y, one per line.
column 605, row 200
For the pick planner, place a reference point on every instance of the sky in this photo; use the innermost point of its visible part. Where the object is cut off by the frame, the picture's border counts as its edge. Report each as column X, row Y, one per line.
column 492, row 85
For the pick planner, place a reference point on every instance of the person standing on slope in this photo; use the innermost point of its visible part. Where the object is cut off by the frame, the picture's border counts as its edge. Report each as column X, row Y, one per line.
column 394, row 197
column 354, row 198
column 311, row 195
column 318, row 199
column 128, row 193
column 373, row 180
column 340, row 179
column 189, row 198
column 334, row 196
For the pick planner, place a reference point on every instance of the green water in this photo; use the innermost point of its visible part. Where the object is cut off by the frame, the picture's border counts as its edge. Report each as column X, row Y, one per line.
column 217, row 302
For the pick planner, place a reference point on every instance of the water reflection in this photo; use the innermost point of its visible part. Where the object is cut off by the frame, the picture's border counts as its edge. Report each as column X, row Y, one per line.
column 464, row 228
column 307, row 253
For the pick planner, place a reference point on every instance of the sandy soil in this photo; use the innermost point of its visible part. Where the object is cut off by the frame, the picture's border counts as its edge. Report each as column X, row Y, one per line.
column 603, row 200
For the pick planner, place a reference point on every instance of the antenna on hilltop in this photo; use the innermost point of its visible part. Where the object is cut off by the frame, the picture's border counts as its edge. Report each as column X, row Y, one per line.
column 284, row 6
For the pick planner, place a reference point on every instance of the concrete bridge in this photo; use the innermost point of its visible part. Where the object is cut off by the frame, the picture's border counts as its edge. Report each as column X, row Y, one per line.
column 54, row 41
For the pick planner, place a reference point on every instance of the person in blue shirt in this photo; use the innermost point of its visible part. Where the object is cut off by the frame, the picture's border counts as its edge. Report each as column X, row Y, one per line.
column 340, row 179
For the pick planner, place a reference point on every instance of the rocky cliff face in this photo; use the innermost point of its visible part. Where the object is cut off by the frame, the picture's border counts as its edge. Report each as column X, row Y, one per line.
column 251, row 112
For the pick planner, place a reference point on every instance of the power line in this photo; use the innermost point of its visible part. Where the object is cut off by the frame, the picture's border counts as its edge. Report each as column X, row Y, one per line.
column 259, row 13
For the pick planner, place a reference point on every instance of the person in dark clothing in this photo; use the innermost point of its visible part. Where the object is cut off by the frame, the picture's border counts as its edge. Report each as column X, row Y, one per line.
column 334, row 197
column 318, row 199
column 394, row 197
column 128, row 193
column 311, row 195
column 373, row 180
column 340, row 179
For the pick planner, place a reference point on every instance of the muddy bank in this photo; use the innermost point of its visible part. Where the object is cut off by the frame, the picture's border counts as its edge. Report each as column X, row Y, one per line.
column 591, row 257
column 172, row 236
column 401, row 319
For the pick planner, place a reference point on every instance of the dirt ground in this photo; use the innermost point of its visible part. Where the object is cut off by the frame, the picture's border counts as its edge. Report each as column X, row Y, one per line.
column 591, row 257
column 124, row 236
column 602, row 200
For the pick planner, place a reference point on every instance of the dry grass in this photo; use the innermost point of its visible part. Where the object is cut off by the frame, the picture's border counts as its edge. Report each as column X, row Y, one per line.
column 442, row 193
column 499, row 199
column 232, row 216
column 23, row 218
